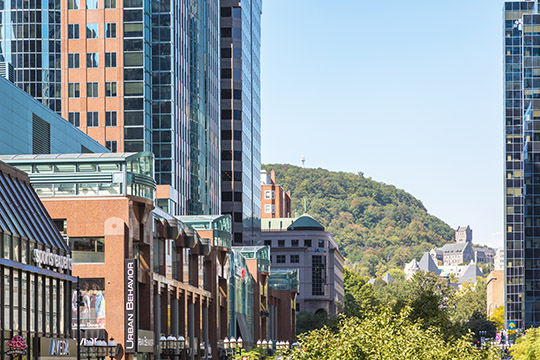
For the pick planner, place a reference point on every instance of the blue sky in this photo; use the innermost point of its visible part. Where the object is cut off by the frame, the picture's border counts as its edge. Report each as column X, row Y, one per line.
column 410, row 93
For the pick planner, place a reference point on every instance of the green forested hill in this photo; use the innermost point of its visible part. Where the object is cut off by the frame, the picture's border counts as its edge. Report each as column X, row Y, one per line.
column 376, row 225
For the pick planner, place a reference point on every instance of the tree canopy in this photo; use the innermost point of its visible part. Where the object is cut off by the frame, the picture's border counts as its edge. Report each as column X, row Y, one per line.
column 376, row 225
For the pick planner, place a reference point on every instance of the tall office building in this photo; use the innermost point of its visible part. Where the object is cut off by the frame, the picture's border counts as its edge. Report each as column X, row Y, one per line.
column 204, row 108
column 143, row 76
column 522, row 163
column 30, row 41
column 241, row 117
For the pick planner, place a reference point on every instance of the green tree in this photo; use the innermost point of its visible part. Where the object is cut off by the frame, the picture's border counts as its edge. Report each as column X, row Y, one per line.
column 469, row 299
column 498, row 317
column 527, row 347
column 359, row 296
column 384, row 335
column 307, row 321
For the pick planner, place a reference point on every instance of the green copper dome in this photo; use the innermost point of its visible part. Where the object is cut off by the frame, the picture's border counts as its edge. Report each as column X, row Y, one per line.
column 305, row 222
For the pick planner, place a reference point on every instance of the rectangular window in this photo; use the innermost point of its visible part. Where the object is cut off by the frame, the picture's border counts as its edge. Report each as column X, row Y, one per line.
column 267, row 194
column 110, row 4
column 295, row 259
column 91, row 4
column 74, row 90
column 75, row 118
column 110, row 30
column 110, row 118
column 280, row 259
column 294, row 243
column 318, row 275
column 111, row 145
column 321, row 243
column 73, row 4
column 92, row 31
column 267, row 242
column 268, row 208
column 110, row 89
column 307, row 243
column 73, row 61
column 92, row 90
column 92, row 60
column 110, row 59
column 281, row 243
column 73, row 31
column 92, row 119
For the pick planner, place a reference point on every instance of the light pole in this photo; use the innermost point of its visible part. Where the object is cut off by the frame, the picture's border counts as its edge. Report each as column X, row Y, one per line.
column 232, row 344
column 181, row 346
column 101, row 349
column 113, row 348
column 240, row 344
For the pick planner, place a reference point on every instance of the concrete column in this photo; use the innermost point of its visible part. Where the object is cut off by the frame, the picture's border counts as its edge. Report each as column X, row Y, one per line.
column 205, row 330
column 175, row 318
column 191, row 328
column 157, row 325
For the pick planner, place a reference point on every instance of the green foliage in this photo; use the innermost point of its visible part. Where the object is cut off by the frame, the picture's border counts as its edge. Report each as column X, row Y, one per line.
column 359, row 296
column 480, row 326
column 498, row 317
column 527, row 347
column 307, row 321
column 376, row 225
column 385, row 335
column 472, row 298
column 253, row 354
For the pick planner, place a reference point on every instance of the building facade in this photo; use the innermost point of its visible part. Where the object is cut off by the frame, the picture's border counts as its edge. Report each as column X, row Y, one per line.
column 521, row 112
column 275, row 201
column 241, row 117
column 31, row 43
column 495, row 290
column 464, row 234
column 35, row 273
column 304, row 245
column 29, row 127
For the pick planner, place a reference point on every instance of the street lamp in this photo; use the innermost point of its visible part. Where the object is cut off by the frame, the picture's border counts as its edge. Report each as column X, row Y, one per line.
column 240, row 344
column 181, row 345
column 113, row 348
column 89, row 349
column 259, row 343
column 101, row 349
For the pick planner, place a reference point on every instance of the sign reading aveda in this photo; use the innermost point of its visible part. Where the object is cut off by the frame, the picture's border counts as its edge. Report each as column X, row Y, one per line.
column 130, row 308
column 46, row 257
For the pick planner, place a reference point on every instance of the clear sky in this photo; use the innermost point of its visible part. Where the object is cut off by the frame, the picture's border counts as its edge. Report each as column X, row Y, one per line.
column 408, row 92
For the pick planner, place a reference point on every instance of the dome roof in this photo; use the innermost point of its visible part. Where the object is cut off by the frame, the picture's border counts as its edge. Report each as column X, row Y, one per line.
column 305, row 222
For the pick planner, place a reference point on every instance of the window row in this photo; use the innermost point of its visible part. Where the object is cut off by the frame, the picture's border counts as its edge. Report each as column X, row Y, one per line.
column 91, row 4
column 92, row 118
column 92, row 60
column 92, row 89
column 293, row 259
column 92, row 31
column 321, row 243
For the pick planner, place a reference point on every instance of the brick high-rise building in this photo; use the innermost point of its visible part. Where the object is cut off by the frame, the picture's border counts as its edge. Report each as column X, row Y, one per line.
column 275, row 201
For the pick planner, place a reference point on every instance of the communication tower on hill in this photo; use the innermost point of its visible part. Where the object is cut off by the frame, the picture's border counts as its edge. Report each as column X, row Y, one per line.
column 303, row 160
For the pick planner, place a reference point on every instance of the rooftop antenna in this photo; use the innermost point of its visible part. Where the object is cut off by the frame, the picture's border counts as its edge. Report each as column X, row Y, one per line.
column 303, row 160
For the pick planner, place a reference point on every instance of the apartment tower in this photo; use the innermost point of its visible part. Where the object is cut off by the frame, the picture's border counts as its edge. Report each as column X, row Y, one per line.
column 142, row 75
column 522, row 163
column 241, row 117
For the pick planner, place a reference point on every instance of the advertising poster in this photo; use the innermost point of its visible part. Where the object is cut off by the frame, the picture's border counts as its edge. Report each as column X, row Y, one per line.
column 93, row 304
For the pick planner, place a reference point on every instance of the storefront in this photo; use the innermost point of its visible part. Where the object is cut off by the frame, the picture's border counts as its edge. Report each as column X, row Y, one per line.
column 35, row 275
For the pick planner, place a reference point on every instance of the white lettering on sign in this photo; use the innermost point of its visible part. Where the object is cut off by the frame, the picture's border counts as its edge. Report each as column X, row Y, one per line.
column 59, row 347
column 130, row 306
column 42, row 257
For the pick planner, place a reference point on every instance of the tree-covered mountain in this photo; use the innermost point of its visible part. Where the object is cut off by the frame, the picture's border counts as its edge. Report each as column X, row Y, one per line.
column 376, row 225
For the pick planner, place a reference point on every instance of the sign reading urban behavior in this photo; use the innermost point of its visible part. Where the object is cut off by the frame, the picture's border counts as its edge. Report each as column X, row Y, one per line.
column 130, row 305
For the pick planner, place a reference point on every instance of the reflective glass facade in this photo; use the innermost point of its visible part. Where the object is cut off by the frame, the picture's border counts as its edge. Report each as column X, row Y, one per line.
column 522, row 226
column 241, row 116
column 204, row 108
column 170, row 98
column 30, row 33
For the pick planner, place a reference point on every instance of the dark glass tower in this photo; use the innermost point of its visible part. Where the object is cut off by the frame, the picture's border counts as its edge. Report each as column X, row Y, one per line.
column 204, row 108
column 241, row 117
column 522, row 163
column 30, row 39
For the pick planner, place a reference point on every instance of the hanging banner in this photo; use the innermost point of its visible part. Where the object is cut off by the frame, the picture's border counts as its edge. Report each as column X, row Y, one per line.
column 130, row 305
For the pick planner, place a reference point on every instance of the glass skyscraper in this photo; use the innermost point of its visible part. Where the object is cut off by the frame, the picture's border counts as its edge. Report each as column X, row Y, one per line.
column 204, row 108
column 522, row 163
column 241, row 117
column 30, row 40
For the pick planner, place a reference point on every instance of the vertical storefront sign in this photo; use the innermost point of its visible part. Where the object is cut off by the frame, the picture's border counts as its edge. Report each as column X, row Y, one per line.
column 130, row 305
